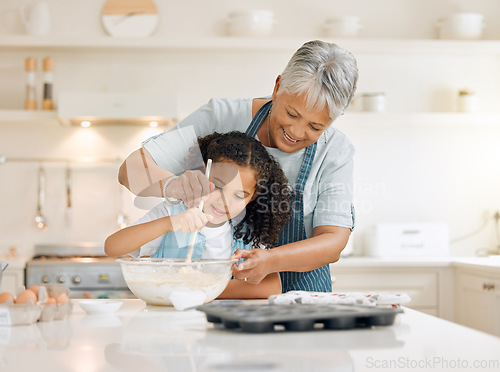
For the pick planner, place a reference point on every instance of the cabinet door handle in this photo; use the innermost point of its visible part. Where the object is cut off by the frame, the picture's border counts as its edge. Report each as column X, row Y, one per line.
column 488, row 286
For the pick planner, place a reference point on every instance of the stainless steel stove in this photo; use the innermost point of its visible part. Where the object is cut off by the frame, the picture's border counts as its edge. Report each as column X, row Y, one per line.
column 84, row 268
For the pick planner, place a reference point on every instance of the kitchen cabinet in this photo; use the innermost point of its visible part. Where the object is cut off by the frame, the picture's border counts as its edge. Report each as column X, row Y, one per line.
column 12, row 278
column 478, row 300
column 430, row 288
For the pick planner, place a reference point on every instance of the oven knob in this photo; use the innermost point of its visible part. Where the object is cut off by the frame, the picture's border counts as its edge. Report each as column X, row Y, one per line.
column 76, row 279
column 61, row 279
column 45, row 279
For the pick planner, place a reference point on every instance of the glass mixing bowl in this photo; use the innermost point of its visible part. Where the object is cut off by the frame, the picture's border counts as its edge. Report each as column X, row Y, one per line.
column 159, row 280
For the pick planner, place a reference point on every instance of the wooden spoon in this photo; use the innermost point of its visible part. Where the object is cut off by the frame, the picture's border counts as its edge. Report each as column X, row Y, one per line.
column 193, row 236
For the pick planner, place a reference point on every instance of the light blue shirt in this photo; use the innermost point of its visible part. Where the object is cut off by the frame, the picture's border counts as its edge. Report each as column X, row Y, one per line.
column 328, row 191
column 175, row 244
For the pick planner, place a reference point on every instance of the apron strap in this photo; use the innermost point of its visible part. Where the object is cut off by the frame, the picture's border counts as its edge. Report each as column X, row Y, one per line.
column 305, row 169
column 318, row 280
column 258, row 119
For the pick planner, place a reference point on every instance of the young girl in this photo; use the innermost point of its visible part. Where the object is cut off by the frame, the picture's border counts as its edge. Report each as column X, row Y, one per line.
column 247, row 207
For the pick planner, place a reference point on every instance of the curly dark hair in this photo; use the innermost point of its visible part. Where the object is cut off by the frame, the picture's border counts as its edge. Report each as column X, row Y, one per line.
column 266, row 215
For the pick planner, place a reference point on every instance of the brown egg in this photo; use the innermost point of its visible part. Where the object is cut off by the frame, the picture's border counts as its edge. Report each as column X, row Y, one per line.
column 50, row 301
column 35, row 288
column 6, row 296
column 26, row 296
column 62, row 298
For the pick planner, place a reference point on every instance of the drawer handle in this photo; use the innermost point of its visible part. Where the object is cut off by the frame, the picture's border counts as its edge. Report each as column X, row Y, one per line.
column 488, row 286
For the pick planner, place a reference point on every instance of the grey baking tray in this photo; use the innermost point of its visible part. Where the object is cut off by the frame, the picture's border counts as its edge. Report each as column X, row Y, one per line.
column 260, row 318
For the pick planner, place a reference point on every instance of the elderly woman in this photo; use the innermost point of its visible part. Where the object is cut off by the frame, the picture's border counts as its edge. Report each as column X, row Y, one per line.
column 295, row 125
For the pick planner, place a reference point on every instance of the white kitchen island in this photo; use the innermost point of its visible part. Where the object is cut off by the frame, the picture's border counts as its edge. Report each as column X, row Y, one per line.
column 144, row 338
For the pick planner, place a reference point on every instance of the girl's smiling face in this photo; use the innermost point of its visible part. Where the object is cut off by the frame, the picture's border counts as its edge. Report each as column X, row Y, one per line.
column 234, row 188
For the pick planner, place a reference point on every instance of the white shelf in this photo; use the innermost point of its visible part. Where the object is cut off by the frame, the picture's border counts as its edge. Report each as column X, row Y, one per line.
column 26, row 116
column 379, row 46
column 419, row 118
column 350, row 117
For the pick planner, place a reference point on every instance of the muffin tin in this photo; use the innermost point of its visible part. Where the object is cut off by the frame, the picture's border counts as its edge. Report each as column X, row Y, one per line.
column 260, row 318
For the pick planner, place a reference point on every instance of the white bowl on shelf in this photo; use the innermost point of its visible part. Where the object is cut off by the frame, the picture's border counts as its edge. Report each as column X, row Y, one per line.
column 251, row 23
column 344, row 27
column 461, row 26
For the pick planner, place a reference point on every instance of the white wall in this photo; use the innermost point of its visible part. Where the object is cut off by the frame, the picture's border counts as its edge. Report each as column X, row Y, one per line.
column 407, row 171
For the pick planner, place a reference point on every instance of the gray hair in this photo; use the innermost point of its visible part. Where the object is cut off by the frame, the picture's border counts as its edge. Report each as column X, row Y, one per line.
column 325, row 73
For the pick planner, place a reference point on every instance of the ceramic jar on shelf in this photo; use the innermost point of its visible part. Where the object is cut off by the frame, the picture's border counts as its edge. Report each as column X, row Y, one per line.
column 467, row 101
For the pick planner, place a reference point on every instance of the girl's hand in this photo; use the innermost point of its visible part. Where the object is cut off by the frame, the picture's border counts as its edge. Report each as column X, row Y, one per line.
column 254, row 268
column 191, row 187
column 191, row 220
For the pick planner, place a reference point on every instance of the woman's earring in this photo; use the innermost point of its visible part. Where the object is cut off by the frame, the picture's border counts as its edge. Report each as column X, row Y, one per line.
column 325, row 133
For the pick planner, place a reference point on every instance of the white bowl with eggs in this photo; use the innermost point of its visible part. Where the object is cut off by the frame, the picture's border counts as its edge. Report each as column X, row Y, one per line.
column 175, row 282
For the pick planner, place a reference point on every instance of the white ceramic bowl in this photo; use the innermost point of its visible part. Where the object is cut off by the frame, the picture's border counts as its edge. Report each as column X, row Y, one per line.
column 154, row 280
column 251, row 23
column 345, row 27
column 373, row 102
column 461, row 26
column 100, row 306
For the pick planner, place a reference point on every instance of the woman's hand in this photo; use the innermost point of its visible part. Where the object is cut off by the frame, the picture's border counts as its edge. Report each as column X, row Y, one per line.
column 255, row 267
column 190, row 220
column 191, row 187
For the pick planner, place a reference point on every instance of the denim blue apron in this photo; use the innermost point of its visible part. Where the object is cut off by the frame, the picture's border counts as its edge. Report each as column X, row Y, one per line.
column 318, row 280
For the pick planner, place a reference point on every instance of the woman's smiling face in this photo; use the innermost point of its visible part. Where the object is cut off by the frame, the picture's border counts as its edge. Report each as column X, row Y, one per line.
column 292, row 126
column 234, row 189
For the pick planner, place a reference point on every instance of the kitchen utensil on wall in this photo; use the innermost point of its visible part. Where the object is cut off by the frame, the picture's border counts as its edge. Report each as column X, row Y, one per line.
column 250, row 23
column 40, row 219
column 345, row 27
column 130, row 17
column 461, row 26
column 35, row 15
column 68, row 191
column 68, row 187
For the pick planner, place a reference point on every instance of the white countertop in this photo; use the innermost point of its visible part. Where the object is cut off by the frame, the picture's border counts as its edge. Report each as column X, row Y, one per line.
column 490, row 262
column 140, row 338
column 365, row 261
